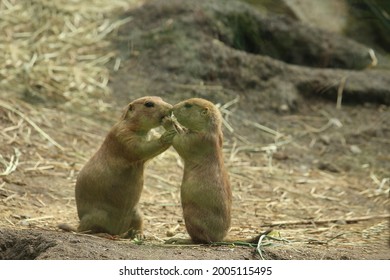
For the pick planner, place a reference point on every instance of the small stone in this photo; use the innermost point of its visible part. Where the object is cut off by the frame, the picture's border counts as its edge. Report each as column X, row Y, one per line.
column 355, row 149
column 284, row 108
column 280, row 156
column 325, row 139
column 24, row 223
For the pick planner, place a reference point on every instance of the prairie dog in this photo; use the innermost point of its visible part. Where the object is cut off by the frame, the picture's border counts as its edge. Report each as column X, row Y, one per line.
column 109, row 186
column 206, row 195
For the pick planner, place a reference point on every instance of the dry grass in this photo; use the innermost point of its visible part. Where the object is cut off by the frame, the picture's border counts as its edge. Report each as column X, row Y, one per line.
column 56, row 51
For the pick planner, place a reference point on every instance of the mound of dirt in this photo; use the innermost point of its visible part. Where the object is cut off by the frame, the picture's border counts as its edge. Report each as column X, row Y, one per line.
column 267, row 60
column 47, row 245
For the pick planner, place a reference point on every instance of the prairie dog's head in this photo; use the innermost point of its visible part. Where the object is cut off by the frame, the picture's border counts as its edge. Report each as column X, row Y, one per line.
column 198, row 114
column 146, row 112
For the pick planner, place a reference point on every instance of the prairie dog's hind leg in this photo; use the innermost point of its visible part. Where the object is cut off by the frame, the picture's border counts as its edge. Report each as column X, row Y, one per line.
column 136, row 226
column 95, row 222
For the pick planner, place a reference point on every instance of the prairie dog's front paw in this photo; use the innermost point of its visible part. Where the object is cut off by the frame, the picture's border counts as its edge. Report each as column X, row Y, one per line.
column 167, row 137
column 168, row 123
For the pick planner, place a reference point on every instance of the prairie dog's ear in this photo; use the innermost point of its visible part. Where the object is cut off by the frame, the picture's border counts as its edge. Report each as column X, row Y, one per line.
column 128, row 108
column 205, row 111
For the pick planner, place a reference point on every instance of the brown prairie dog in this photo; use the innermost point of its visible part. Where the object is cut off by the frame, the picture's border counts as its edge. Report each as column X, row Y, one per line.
column 109, row 186
column 206, row 195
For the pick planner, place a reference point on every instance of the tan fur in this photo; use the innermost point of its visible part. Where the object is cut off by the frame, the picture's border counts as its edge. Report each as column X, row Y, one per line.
column 205, row 190
column 109, row 186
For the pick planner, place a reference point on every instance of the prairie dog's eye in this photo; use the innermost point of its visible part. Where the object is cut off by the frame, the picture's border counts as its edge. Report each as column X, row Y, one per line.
column 187, row 105
column 149, row 104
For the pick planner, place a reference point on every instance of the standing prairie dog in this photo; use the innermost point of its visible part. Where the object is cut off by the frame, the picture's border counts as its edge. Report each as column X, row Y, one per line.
column 206, row 195
column 109, row 186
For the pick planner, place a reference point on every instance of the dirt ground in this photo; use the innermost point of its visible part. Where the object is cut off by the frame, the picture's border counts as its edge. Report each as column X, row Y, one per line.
column 315, row 173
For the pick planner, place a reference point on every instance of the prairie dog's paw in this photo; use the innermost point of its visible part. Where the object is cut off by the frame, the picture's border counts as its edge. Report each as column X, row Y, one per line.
column 133, row 234
column 167, row 123
column 167, row 137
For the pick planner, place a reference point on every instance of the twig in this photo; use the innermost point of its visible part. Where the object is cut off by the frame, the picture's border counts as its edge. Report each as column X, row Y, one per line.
column 267, row 129
column 314, row 241
column 230, row 103
column 9, row 197
column 38, row 218
column 200, row 86
column 374, row 59
column 40, row 201
column 35, row 126
column 258, row 248
column 224, row 110
column 312, row 192
column 9, row 221
column 381, row 184
column 13, row 163
column 278, row 239
column 334, row 237
column 227, row 125
column 235, row 243
column 324, row 221
column 331, row 122
column 340, row 92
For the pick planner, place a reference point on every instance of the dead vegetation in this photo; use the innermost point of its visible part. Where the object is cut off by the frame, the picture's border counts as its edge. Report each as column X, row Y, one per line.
column 59, row 60
column 57, row 51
